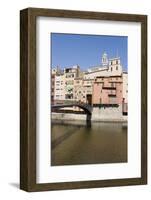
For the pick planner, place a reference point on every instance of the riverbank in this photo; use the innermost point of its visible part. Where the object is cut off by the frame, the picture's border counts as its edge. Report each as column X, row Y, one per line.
column 83, row 117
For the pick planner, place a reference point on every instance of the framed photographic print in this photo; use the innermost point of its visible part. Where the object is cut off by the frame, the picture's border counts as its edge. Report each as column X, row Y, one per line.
column 83, row 99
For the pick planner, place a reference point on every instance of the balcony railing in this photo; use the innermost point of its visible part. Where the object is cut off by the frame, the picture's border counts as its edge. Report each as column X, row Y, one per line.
column 109, row 87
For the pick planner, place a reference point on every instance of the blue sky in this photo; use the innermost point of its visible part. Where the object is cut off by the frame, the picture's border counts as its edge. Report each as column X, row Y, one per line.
column 86, row 50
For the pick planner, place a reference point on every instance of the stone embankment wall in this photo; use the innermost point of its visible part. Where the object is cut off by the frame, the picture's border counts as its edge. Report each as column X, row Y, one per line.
column 98, row 114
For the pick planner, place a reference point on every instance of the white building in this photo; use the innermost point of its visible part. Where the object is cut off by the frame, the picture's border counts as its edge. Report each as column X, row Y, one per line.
column 109, row 67
column 59, row 87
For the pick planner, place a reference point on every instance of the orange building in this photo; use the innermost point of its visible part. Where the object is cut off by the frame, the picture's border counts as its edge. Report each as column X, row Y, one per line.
column 107, row 90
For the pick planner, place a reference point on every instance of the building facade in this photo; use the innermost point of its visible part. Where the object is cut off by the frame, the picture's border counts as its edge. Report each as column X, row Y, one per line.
column 52, row 85
column 108, row 90
column 88, row 88
column 83, row 90
column 70, row 73
column 59, row 87
column 78, row 94
column 125, row 87
column 109, row 67
column 103, row 84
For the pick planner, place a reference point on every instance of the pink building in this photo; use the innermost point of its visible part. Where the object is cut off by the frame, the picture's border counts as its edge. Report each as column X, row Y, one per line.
column 107, row 90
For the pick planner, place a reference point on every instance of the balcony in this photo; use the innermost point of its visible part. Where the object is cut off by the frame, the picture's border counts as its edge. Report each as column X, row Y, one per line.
column 109, row 88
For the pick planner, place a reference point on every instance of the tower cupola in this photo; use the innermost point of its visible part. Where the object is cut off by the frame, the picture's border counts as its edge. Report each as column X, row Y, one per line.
column 104, row 59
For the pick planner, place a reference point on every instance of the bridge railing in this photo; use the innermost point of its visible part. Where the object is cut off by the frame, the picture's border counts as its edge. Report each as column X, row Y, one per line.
column 60, row 102
column 65, row 103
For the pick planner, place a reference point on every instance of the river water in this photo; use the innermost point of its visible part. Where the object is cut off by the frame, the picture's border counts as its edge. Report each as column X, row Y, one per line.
column 74, row 142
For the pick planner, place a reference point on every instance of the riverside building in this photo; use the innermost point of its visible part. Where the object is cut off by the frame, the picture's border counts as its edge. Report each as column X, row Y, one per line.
column 108, row 90
column 102, row 84
column 70, row 73
column 59, row 87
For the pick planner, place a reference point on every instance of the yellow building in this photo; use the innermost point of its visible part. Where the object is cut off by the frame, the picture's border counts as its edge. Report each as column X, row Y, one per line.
column 70, row 73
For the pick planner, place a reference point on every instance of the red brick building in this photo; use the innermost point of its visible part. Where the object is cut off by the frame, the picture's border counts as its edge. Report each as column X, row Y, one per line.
column 107, row 90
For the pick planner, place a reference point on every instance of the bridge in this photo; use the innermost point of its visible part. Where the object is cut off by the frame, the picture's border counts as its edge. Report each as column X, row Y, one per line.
column 95, row 112
column 86, row 107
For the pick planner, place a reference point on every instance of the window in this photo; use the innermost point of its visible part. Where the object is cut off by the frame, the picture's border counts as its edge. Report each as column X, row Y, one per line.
column 111, row 69
column 116, row 67
column 116, row 61
column 112, row 100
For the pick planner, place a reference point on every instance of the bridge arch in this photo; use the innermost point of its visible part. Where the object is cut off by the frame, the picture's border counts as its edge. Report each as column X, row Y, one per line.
column 85, row 107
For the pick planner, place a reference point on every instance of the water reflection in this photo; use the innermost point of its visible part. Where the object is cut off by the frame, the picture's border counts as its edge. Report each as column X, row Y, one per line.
column 73, row 142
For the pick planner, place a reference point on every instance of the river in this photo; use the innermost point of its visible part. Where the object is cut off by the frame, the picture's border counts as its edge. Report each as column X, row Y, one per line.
column 74, row 142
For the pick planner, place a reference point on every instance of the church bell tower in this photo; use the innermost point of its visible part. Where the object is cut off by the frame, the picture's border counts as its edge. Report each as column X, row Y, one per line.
column 104, row 59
